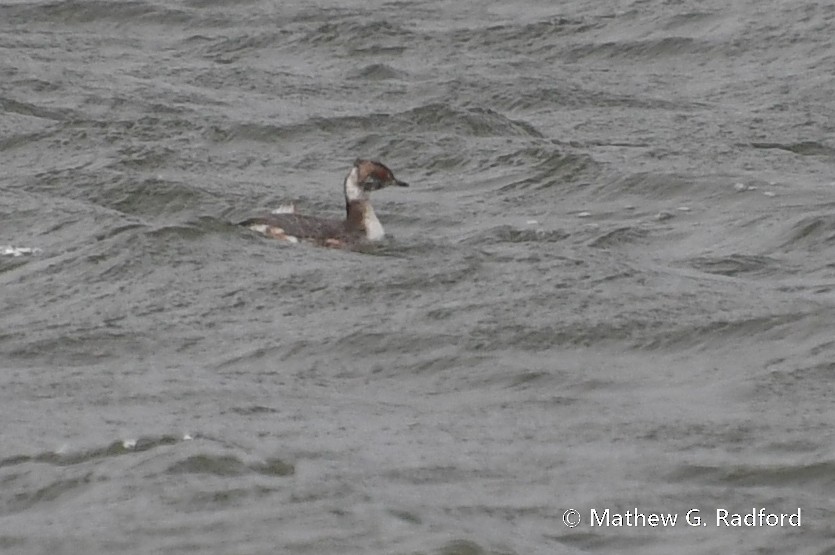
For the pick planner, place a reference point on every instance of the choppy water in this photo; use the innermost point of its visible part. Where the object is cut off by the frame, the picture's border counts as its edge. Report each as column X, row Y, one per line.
column 611, row 284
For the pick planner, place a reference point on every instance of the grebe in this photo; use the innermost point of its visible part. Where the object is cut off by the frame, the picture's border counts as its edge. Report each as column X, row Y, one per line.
column 360, row 220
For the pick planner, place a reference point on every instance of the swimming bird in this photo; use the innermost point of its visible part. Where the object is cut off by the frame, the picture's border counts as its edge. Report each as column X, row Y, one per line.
column 360, row 221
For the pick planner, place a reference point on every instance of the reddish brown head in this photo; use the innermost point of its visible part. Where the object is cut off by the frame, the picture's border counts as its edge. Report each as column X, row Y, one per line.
column 373, row 175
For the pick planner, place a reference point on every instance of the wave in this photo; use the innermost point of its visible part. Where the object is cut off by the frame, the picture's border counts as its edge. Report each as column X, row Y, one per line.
column 175, row 455
column 377, row 72
column 810, row 233
column 804, row 148
column 737, row 264
column 568, row 96
column 619, row 236
column 93, row 11
column 802, row 475
column 114, row 449
column 647, row 49
column 364, row 33
column 725, row 332
column 23, row 108
column 511, row 234
column 546, row 167
column 433, row 118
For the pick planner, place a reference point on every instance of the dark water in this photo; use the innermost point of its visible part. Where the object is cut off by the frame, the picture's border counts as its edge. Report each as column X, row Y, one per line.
column 610, row 286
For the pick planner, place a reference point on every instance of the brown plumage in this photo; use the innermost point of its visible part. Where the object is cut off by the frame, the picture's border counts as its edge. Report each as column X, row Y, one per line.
column 360, row 220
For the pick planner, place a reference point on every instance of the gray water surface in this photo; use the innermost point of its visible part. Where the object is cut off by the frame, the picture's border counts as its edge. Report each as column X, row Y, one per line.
column 609, row 286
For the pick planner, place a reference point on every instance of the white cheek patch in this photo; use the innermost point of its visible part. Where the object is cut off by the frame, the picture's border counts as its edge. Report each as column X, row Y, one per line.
column 353, row 191
column 259, row 228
